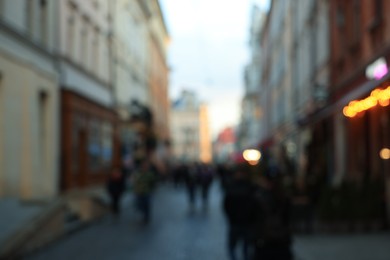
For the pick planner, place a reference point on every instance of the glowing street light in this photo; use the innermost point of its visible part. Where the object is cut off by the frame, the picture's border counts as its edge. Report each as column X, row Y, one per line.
column 385, row 154
column 252, row 156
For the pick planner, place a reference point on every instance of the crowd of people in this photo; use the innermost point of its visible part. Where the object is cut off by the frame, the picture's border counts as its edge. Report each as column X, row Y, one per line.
column 255, row 202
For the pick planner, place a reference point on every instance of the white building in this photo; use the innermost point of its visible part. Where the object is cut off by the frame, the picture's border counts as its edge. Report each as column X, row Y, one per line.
column 250, row 125
column 28, row 99
column 130, row 52
column 83, row 41
column 295, row 42
column 310, row 60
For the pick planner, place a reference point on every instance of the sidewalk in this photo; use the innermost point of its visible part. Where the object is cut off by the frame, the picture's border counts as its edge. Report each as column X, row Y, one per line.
column 358, row 247
column 27, row 226
column 14, row 215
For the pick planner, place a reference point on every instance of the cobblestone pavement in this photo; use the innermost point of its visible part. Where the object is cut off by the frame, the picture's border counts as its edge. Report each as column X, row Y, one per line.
column 176, row 233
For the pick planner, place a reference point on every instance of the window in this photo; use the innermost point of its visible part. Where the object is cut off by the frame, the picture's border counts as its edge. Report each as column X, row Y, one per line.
column 43, row 22
column 356, row 20
column 377, row 8
column 42, row 125
column 30, row 18
column 78, row 141
column 95, row 52
column 340, row 17
column 84, row 41
column 1, row 7
column 107, row 145
column 70, row 32
column 94, row 144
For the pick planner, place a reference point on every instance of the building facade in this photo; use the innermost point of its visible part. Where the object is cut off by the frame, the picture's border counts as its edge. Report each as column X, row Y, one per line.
column 294, row 78
column 140, row 76
column 251, row 111
column 28, row 100
column 360, row 54
column 130, row 53
column 189, row 129
column 88, row 119
column 310, row 81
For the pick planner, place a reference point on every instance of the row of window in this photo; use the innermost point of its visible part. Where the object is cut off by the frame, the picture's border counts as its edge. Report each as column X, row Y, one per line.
column 86, row 44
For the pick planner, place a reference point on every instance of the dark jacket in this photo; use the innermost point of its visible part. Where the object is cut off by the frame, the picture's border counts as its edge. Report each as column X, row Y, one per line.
column 116, row 186
column 240, row 204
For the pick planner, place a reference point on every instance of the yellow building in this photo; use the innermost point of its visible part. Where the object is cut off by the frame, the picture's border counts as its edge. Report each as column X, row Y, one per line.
column 28, row 101
column 204, row 136
column 190, row 132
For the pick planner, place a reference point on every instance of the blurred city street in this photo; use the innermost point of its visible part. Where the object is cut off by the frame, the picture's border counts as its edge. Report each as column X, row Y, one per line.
column 177, row 233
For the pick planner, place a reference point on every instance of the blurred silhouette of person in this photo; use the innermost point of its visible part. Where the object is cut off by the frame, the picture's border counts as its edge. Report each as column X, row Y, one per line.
column 179, row 175
column 205, row 180
column 241, row 209
column 275, row 240
column 115, row 188
column 144, row 180
column 191, row 181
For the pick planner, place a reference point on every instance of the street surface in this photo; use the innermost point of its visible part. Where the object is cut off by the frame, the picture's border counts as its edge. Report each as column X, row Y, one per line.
column 177, row 233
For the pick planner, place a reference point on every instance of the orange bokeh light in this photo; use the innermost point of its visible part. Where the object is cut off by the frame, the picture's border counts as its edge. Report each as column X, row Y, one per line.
column 381, row 96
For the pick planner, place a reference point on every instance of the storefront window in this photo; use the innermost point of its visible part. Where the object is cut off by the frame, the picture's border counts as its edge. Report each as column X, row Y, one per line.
column 77, row 126
column 94, row 144
column 107, row 144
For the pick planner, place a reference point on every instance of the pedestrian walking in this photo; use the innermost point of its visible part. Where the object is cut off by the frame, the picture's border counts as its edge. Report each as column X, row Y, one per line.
column 241, row 209
column 115, row 187
column 191, row 181
column 144, row 180
column 274, row 240
column 206, row 175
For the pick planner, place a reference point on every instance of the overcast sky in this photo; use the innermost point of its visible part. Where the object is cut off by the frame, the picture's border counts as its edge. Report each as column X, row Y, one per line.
column 208, row 52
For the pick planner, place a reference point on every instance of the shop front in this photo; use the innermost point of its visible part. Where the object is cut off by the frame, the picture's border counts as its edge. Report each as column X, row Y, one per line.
column 90, row 145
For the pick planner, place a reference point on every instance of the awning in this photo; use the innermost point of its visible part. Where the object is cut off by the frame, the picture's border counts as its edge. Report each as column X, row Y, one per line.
column 338, row 106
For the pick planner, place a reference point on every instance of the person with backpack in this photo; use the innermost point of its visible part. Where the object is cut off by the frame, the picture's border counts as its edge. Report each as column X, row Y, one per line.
column 144, row 180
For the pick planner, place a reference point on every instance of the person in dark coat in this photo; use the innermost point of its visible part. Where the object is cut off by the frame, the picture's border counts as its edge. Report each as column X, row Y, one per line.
column 240, row 207
column 115, row 188
column 275, row 240
column 206, row 175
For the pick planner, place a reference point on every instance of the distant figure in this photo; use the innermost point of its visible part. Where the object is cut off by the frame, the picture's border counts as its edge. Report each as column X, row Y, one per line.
column 206, row 175
column 178, row 175
column 144, row 180
column 191, row 181
column 115, row 188
column 241, row 208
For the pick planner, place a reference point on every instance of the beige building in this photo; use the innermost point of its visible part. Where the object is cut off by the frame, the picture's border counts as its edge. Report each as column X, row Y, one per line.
column 206, row 149
column 28, row 100
column 191, row 139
